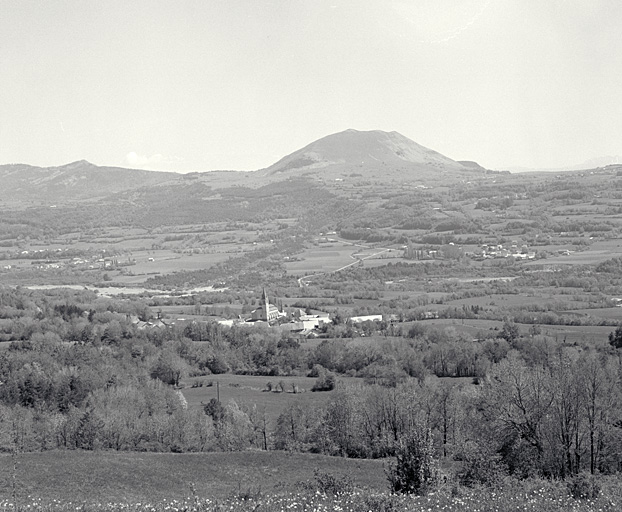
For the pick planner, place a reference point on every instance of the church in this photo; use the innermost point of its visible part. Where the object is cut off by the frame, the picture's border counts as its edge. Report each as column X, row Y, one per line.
column 266, row 312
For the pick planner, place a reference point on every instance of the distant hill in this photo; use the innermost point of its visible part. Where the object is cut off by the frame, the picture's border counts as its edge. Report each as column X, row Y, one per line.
column 373, row 156
column 471, row 165
column 370, row 154
column 593, row 163
column 74, row 181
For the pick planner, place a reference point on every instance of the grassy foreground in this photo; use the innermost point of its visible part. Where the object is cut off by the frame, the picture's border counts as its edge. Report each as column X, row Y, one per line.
column 535, row 496
column 255, row 481
column 82, row 476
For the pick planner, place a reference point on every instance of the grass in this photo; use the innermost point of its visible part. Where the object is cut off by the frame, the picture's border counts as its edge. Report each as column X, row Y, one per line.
column 251, row 390
column 325, row 258
column 166, row 262
column 243, row 482
column 615, row 313
column 509, row 300
column 80, row 476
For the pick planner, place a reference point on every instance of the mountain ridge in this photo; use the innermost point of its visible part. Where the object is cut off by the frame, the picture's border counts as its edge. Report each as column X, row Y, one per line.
column 75, row 180
column 375, row 155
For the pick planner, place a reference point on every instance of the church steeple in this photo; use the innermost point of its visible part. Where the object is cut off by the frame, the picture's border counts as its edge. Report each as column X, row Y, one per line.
column 265, row 311
column 266, row 304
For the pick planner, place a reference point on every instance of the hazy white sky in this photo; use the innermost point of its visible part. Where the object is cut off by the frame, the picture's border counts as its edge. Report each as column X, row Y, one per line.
column 238, row 84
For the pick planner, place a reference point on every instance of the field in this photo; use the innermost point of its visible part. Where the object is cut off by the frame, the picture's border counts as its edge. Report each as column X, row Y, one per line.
column 80, row 476
column 248, row 390
column 258, row 482
column 615, row 313
column 595, row 335
column 337, row 254
column 167, row 261
column 323, row 258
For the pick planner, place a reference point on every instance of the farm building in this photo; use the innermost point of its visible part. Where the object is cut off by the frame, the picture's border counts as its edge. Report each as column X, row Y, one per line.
column 366, row 318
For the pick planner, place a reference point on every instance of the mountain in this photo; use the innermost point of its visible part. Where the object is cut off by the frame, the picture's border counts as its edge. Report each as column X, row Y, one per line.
column 74, row 181
column 593, row 163
column 471, row 165
column 372, row 154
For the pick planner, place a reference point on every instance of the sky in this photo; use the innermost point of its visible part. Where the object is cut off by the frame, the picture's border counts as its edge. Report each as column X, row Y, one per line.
column 198, row 85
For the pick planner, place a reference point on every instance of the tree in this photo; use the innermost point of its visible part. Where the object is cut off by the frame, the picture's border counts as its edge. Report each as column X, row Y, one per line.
column 215, row 409
column 169, row 368
column 295, row 427
column 515, row 403
column 615, row 338
column 510, row 332
column 600, row 381
column 326, row 381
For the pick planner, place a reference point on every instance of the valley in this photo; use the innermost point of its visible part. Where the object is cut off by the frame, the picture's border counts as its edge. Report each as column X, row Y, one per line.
column 359, row 290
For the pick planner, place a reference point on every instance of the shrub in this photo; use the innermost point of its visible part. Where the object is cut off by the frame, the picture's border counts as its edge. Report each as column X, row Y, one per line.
column 316, row 371
column 415, row 470
column 481, row 468
column 329, row 484
column 583, row 486
column 325, row 382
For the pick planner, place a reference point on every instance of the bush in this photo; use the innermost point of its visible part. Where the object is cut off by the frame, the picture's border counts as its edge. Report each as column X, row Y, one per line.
column 325, row 382
column 415, row 470
column 316, row 371
column 583, row 486
column 329, row 484
column 481, row 468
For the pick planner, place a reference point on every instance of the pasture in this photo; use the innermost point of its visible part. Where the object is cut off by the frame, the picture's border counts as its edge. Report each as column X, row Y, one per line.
column 101, row 477
column 609, row 313
column 167, row 261
column 587, row 257
column 594, row 336
column 542, row 297
column 587, row 335
column 322, row 258
column 250, row 390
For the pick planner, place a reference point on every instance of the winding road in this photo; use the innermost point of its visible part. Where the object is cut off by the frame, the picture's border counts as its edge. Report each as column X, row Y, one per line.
column 304, row 280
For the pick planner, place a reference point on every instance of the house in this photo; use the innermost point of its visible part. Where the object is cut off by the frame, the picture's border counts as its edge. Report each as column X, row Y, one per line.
column 365, row 318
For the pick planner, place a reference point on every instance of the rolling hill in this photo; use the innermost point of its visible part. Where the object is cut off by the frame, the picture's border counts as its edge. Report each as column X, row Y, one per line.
column 74, row 181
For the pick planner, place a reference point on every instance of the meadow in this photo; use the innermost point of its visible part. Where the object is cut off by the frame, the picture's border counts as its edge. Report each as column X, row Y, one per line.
column 592, row 335
column 101, row 477
column 322, row 258
column 166, row 261
column 248, row 390
column 260, row 482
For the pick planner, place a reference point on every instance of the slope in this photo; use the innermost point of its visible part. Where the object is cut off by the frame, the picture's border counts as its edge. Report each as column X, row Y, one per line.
column 369, row 154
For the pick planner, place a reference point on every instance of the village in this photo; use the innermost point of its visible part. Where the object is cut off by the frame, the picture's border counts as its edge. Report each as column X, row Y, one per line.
column 296, row 322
